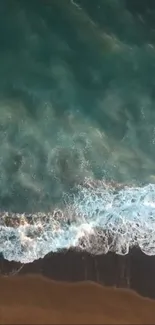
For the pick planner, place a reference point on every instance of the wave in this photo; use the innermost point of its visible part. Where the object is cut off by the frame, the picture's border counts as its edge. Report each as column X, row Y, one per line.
column 100, row 217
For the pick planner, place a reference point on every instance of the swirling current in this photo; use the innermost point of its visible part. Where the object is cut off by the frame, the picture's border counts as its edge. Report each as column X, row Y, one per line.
column 100, row 218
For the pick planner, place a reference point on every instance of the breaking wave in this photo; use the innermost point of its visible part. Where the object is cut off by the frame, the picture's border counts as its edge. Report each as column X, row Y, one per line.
column 99, row 218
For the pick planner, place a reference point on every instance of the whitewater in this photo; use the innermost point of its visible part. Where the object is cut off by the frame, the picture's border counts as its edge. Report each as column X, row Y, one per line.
column 99, row 217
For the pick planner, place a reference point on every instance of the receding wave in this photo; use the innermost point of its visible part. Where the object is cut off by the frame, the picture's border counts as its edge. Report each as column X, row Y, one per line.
column 100, row 217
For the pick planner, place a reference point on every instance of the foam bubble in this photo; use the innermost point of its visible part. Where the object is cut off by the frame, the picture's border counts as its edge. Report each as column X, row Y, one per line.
column 99, row 218
column 126, row 214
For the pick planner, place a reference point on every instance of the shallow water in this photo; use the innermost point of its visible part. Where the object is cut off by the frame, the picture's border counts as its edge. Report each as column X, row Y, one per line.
column 76, row 101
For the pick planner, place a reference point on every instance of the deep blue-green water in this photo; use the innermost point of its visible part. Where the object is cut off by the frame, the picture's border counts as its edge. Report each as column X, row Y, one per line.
column 77, row 103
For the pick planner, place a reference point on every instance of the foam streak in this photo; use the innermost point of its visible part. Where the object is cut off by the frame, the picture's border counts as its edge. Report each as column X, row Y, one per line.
column 100, row 218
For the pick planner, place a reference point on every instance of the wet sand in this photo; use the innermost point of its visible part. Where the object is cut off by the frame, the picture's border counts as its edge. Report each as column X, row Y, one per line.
column 38, row 300
column 134, row 271
column 77, row 288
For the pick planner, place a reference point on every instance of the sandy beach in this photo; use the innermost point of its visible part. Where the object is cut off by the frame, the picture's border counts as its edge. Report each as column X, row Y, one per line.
column 134, row 271
column 37, row 300
column 71, row 288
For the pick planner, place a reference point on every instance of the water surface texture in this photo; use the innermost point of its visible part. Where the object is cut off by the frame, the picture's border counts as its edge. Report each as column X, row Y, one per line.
column 77, row 106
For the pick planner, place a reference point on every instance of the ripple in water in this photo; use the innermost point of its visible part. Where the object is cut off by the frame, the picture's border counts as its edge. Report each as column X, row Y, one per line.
column 101, row 217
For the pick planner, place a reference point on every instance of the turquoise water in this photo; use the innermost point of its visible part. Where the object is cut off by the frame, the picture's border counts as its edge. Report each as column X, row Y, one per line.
column 77, row 95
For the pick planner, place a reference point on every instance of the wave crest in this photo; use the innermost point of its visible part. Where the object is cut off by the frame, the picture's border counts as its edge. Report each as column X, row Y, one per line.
column 101, row 217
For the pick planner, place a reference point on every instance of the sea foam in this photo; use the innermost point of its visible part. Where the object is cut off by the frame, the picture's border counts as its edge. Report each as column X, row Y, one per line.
column 99, row 218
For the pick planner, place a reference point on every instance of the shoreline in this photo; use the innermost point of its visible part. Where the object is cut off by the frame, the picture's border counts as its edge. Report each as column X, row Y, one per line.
column 133, row 271
column 38, row 300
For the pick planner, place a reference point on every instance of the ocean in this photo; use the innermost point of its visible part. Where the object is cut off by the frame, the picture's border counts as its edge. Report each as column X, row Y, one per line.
column 77, row 126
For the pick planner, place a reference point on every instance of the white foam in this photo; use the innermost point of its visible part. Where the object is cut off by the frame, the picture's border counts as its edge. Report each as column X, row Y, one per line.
column 105, row 219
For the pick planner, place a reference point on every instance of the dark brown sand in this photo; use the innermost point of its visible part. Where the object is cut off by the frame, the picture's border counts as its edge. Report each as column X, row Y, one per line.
column 134, row 271
column 38, row 300
column 86, row 289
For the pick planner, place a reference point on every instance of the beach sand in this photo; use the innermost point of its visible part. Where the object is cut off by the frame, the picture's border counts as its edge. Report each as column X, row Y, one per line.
column 134, row 271
column 72, row 288
column 38, row 300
